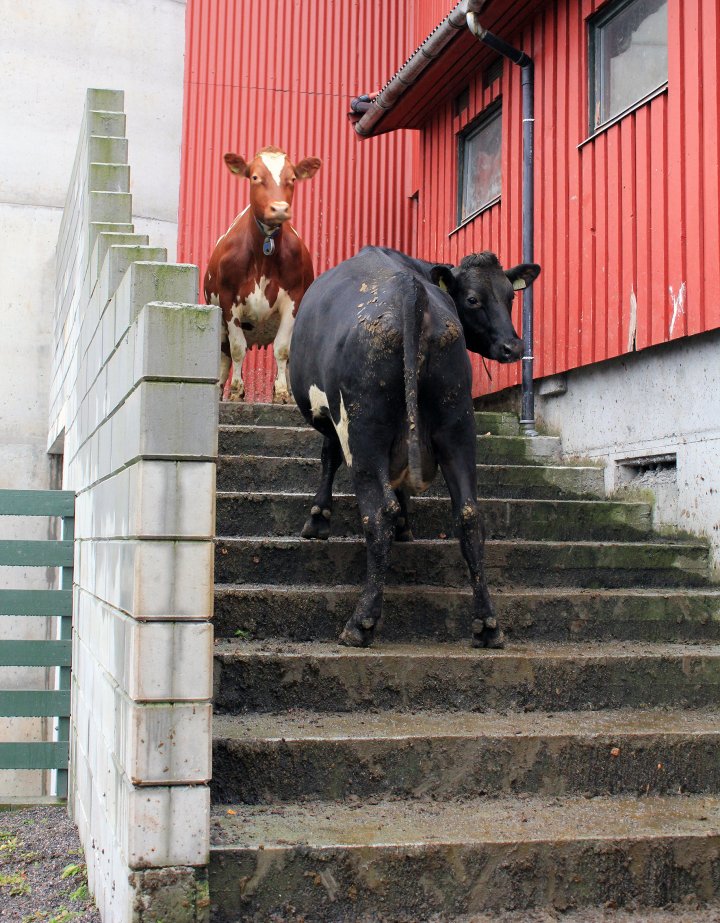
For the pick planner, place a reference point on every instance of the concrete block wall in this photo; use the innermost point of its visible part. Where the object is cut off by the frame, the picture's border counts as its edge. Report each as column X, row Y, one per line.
column 656, row 403
column 134, row 412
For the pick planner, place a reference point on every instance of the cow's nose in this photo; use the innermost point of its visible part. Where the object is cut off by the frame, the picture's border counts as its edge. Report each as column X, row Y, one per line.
column 511, row 350
column 280, row 210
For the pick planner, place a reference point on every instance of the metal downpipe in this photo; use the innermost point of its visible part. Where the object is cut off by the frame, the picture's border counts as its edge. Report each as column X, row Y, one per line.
column 523, row 60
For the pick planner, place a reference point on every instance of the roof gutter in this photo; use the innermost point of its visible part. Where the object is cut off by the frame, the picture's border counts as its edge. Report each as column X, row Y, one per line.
column 416, row 65
column 523, row 60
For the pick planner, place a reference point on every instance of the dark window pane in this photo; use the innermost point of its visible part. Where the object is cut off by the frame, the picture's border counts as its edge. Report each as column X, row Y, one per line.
column 630, row 56
column 481, row 166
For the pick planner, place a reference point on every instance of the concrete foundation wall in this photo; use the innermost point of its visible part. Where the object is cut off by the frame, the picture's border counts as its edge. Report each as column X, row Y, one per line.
column 51, row 51
column 654, row 419
column 134, row 409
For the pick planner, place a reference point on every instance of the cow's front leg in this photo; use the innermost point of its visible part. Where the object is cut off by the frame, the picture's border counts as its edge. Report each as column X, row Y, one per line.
column 457, row 462
column 281, row 347
column 318, row 523
column 238, row 348
column 378, row 509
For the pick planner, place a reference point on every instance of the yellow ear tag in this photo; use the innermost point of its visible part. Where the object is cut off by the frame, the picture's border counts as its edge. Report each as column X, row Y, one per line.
column 519, row 284
column 442, row 286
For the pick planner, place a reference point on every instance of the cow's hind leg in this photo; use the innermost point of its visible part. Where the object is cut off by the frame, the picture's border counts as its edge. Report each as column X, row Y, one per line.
column 225, row 361
column 238, row 348
column 403, row 532
column 456, row 454
column 318, row 523
column 379, row 508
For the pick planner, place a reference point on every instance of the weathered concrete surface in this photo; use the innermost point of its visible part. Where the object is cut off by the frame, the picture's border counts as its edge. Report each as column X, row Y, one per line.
column 538, row 677
column 270, row 513
column 654, row 402
column 335, row 860
column 306, row 755
column 496, row 424
column 180, row 895
column 340, row 770
column 440, row 563
column 304, row 442
column 318, row 613
column 262, row 473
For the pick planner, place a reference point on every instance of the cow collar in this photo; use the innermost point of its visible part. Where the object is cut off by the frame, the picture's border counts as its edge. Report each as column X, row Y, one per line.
column 268, row 233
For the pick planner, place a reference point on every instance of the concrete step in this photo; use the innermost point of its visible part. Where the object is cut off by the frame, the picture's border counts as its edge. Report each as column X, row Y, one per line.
column 538, row 676
column 692, row 909
column 333, row 861
column 305, row 442
column 305, row 755
column 232, row 414
column 318, row 613
column 440, row 563
column 265, row 473
column 254, row 513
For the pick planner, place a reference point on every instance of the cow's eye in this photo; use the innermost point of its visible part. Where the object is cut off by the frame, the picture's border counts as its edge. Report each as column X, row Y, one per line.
column 471, row 299
column 255, row 177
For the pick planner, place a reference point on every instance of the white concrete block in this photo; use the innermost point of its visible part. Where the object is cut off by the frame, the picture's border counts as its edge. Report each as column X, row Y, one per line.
column 174, row 579
column 148, row 282
column 109, row 207
column 150, row 661
column 152, row 579
column 178, row 419
column 172, row 499
column 107, row 239
column 178, row 342
column 166, row 826
column 161, row 744
column 116, row 263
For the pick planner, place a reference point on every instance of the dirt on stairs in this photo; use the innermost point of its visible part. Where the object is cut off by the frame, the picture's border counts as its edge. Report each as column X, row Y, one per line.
column 575, row 772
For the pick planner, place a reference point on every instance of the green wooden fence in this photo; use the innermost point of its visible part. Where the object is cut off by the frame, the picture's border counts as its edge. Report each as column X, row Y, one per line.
column 46, row 703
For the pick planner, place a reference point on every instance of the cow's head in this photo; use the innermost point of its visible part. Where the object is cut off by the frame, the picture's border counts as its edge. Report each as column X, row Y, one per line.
column 272, row 182
column 483, row 294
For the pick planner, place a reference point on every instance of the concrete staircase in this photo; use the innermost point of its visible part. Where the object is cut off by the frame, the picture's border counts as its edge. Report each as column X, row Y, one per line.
column 421, row 779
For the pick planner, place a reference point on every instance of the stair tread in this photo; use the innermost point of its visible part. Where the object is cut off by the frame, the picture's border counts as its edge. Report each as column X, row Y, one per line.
column 557, row 465
column 614, row 724
column 569, row 503
column 678, row 543
column 274, row 427
column 309, row 589
column 547, row 650
column 411, row 823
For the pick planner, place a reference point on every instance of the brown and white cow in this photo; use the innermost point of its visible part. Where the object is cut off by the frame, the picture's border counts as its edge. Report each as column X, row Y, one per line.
column 260, row 268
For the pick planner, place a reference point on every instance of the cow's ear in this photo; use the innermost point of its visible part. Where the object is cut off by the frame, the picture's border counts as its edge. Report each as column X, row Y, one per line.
column 237, row 164
column 523, row 275
column 307, row 168
column 442, row 277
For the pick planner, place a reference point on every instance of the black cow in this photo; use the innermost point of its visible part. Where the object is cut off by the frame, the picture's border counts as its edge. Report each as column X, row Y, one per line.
column 380, row 368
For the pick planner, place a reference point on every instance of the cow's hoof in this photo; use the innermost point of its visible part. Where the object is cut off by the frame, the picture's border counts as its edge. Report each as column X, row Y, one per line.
column 316, row 527
column 236, row 395
column 492, row 637
column 281, row 397
column 352, row 636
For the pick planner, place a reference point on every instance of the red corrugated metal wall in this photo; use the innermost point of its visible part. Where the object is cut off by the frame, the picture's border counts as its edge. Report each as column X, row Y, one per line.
column 632, row 215
column 282, row 72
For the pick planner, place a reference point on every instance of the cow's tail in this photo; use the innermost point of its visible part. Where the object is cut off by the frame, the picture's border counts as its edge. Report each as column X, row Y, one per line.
column 414, row 305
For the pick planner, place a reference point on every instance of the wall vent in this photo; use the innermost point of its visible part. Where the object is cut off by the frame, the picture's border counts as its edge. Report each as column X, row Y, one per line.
column 647, row 470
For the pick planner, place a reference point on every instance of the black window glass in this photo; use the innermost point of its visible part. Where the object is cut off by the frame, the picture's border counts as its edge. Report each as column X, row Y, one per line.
column 629, row 55
column 480, row 165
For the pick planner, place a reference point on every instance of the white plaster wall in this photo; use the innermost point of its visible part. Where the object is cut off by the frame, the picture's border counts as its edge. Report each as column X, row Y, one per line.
column 660, row 400
column 50, row 53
